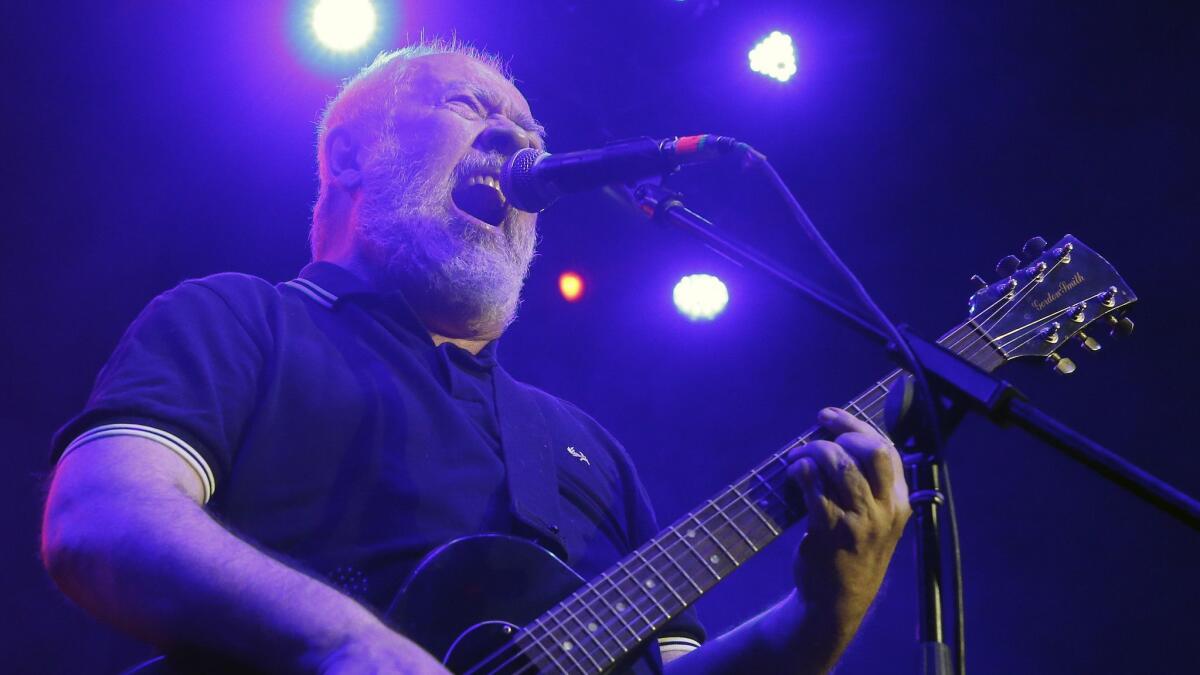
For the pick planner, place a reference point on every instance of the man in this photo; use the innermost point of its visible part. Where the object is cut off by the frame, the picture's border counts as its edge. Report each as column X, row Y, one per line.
column 345, row 423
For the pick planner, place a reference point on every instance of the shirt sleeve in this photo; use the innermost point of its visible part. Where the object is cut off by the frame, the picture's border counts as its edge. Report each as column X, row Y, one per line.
column 183, row 375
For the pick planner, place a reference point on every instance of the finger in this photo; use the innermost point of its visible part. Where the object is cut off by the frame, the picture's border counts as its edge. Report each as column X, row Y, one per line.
column 822, row 513
column 877, row 460
column 844, row 482
column 838, row 421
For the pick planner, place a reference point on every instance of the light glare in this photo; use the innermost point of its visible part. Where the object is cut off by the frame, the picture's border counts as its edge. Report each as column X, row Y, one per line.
column 343, row 25
column 570, row 285
column 700, row 297
column 774, row 56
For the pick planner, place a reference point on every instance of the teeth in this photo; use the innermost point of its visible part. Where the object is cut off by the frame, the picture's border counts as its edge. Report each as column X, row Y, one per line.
column 490, row 181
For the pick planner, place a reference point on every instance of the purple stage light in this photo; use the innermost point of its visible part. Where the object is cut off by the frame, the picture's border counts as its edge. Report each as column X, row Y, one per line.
column 700, row 297
column 343, row 25
column 774, row 56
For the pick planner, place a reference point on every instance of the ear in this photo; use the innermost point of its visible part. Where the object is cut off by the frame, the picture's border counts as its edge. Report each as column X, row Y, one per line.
column 342, row 150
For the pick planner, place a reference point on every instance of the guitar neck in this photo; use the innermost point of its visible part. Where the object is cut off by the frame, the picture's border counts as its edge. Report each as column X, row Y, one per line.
column 625, row 605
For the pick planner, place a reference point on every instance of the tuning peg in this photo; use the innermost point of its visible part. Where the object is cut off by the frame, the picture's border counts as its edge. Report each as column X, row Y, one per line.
column 1062, row 365
column 1033, row 248
column 1007, row 265
column 1120, row 327
column 980, row 281
column 1050, row 333
column 1087, row 342
column 1078, row 312
column 1109, row 298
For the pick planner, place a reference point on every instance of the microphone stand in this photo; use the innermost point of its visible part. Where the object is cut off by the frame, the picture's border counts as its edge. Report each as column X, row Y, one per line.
column 955, row 381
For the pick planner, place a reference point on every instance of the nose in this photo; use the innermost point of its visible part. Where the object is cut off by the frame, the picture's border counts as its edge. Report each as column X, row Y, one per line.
column 502, row 135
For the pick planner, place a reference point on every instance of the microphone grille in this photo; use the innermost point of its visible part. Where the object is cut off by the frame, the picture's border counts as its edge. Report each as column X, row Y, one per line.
column 518, row 184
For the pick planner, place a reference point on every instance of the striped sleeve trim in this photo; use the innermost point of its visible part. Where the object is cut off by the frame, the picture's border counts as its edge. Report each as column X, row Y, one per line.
column 319, row 295
column 677, row 645
column 167, row 439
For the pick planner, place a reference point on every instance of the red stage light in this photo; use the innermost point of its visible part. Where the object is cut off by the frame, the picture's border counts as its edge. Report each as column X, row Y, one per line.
column 571, row 286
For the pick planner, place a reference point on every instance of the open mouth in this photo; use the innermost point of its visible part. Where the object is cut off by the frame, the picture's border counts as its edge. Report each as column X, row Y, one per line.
column 480, row 196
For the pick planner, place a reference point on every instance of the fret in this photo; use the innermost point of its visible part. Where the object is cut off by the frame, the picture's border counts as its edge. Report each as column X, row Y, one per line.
column 989, row 345
column 647, row 593
column 590, row 634
column 716, row 576
column 627, row 603
column 599, row 622
column 733, row 524
column 716, row 541
column 675, row 562
column 883, row 388
column 867, row 418
column 649, row 583
column 781, row 457
column 570, row 646
column 549, row 652
column 523, row 645
column 881, row 391
column 764, row 519
column 789, row 510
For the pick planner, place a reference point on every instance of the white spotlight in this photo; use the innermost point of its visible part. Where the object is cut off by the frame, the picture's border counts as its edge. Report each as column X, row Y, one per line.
column 774, row 56
column 700, row 297
column 343, row 25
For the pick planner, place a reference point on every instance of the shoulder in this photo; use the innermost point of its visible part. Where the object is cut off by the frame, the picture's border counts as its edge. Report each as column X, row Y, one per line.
column 239, row 291
column 245, row 297
column 220, row 309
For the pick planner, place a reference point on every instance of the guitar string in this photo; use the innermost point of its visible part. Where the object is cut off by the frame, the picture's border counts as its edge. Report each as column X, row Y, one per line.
column 759, row 473
column 1019, row 296
column 565, row 606
column 751, row 489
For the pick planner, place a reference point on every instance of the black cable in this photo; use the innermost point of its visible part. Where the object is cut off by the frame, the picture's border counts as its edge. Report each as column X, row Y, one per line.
column 956, row 576
column 914, row 367
column 900, row 344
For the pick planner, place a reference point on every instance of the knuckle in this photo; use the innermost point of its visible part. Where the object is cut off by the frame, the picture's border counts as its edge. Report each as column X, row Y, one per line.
column 880, row 454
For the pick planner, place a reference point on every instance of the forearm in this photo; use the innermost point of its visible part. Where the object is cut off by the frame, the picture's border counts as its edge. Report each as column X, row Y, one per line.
column 158, row 567
column 787, row 638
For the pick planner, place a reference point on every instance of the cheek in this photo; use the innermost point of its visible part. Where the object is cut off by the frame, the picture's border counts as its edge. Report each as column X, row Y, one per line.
column 440, row 132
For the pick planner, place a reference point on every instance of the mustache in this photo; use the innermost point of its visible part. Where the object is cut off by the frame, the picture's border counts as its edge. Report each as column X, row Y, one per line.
column 489, row 163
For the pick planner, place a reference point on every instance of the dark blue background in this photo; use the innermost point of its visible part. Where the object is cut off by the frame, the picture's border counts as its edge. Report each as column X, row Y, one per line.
column 148, row 142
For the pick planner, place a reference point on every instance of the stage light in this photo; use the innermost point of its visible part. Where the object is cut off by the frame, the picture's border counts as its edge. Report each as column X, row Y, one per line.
column 570, row 285
column 700, row 297
column 774, row 56
column 343, row 25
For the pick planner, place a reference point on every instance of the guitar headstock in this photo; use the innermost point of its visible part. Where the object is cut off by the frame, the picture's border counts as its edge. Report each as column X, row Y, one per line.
column 1047, row 300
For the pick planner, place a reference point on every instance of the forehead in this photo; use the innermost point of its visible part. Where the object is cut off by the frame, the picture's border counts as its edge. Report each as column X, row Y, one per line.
column 435, row 73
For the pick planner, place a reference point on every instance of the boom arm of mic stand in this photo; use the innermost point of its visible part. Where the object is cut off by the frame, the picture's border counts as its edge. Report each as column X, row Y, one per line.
column 964, row 383
column 663, row 206
column 955, row 378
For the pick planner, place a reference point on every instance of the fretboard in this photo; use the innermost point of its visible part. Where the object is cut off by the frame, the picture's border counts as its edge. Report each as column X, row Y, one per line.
column 614, row 613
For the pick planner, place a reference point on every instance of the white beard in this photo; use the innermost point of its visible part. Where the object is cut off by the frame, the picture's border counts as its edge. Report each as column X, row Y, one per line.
column 463, row 281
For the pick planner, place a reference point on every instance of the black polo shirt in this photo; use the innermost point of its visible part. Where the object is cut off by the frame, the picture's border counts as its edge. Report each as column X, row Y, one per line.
column 327, row 426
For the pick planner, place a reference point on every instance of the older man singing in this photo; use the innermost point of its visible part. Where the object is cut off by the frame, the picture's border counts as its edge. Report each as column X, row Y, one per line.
column 260, row 467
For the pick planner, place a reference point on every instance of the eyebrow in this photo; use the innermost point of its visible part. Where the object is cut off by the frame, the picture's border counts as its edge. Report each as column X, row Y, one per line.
column 491, row 100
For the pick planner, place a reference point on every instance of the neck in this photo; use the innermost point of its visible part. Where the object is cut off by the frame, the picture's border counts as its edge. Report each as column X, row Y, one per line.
column 355, row 264
column 473, row 346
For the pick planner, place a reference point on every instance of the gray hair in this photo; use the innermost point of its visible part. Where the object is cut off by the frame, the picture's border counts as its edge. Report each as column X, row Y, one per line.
column 365, row 100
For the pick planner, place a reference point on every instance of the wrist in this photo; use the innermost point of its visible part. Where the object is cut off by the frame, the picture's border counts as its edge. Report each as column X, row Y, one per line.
column 350, row 640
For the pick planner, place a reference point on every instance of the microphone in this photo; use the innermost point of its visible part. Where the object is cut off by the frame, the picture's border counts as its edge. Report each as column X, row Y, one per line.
column 532, row 180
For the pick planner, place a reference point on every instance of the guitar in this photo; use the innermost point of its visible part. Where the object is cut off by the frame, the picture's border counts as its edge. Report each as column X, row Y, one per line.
column 518, row 610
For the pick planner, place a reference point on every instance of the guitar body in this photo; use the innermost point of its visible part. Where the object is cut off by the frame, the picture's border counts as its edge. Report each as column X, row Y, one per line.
column 470, row 597
column 464, row 602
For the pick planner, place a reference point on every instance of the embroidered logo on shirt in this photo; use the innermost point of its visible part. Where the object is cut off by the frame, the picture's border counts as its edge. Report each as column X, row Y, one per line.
column 577, row 455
